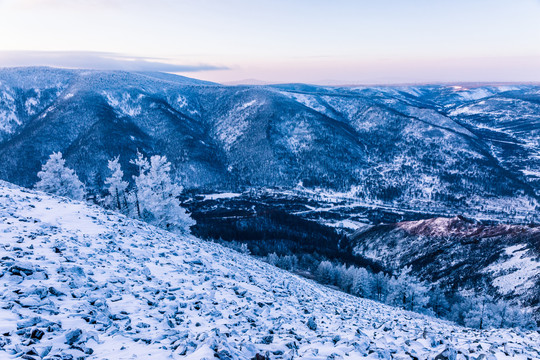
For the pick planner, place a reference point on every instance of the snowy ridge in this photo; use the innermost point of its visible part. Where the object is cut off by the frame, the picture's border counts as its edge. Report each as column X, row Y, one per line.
column 81, row 281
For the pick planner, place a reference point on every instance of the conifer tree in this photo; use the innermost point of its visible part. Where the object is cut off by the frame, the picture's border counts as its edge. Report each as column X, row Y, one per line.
column 56, row 178
column 157, row 194
column 116, row 185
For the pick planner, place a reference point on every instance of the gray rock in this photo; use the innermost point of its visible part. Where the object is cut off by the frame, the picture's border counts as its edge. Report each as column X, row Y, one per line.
column 268, row 339
column 311, row 324
column 73, row 336
column 21, row 269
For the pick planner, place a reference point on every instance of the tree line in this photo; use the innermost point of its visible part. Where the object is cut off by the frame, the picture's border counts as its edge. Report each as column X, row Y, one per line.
column 153, row 198
column 406, row 291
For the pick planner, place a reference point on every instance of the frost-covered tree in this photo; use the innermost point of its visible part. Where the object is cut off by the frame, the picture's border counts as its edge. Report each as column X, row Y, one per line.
column 56, row 178
column 479, row 314
column 483, row 312
column 116, row 186
column 288, row 262
column 156, row 194
column 379, row 286
column 408, row 292
column 438, row 303
column 325, row 272
column 272, row 259
column 346, row 277
column 361, row 283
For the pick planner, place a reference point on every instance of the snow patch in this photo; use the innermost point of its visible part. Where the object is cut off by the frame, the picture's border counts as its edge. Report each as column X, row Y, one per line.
column 473, row 94
column 531, row 173
column 182, row 101
column 309, row 101
column 125, row 104
column 9, row 120
column 247, row 104
column 515, row 274
column 31, row 105
column 231, row 126
column 298, row 135
column 221, row 196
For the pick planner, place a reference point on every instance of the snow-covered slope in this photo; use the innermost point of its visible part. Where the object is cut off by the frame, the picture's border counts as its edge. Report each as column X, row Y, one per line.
column 78, row 280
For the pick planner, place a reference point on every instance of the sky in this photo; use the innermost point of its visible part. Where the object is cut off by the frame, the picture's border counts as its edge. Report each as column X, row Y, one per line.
column 312, row 41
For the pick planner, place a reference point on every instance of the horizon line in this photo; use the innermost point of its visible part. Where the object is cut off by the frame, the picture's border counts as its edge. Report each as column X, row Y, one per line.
column 262, row 83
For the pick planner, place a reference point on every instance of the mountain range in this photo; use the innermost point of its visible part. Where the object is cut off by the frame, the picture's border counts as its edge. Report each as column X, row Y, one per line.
column 442, row 178
column 471, row 150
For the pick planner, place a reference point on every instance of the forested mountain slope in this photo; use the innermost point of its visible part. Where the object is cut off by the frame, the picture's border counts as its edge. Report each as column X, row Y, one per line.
column 457, row 253
column 434, row 148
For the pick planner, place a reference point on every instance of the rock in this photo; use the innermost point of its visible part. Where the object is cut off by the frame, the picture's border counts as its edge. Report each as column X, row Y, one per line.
column 223, row 355
column 29, row 301
column 55, row 292
column 40, row 291
column 311, row 324
column 448, row 354
column 21, row 269
column 260, row 357
column 45, row 351
column 73, row 336
column 268, row 339
column 29, row 322
column 37, row 334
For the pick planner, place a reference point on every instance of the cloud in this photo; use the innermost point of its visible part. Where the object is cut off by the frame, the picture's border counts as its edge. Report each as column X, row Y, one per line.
column 97, row 60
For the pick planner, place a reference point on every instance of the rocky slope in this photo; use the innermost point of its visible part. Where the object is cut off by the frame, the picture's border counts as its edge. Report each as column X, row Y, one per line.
column 503, row 260
column 439, row 149
column 81, row 282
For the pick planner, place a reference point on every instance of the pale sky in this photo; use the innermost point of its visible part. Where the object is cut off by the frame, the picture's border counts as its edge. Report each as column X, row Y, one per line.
column 339, row 41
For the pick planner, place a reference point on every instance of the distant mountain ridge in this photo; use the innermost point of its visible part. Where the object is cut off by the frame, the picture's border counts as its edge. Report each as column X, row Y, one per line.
column 430, row 147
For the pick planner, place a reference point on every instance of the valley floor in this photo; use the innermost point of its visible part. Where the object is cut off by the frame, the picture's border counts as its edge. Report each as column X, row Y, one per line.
column 78, row 281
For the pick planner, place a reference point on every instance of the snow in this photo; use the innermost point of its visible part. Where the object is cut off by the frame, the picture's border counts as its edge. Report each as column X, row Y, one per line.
column 531, row 173
column 515, row 274
column 235, row 122
column 247, row 104
column 125, row 104
column 473, row 94
column 347, row 107
column 182, row 101
column 8, row 112
column 221, row 196
column 438, row 120
column 308, row 100
column 100, row 285
column 31, row 104
column 438, row 227
column 465, row 110
column 298, row 136
column 349, row 224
